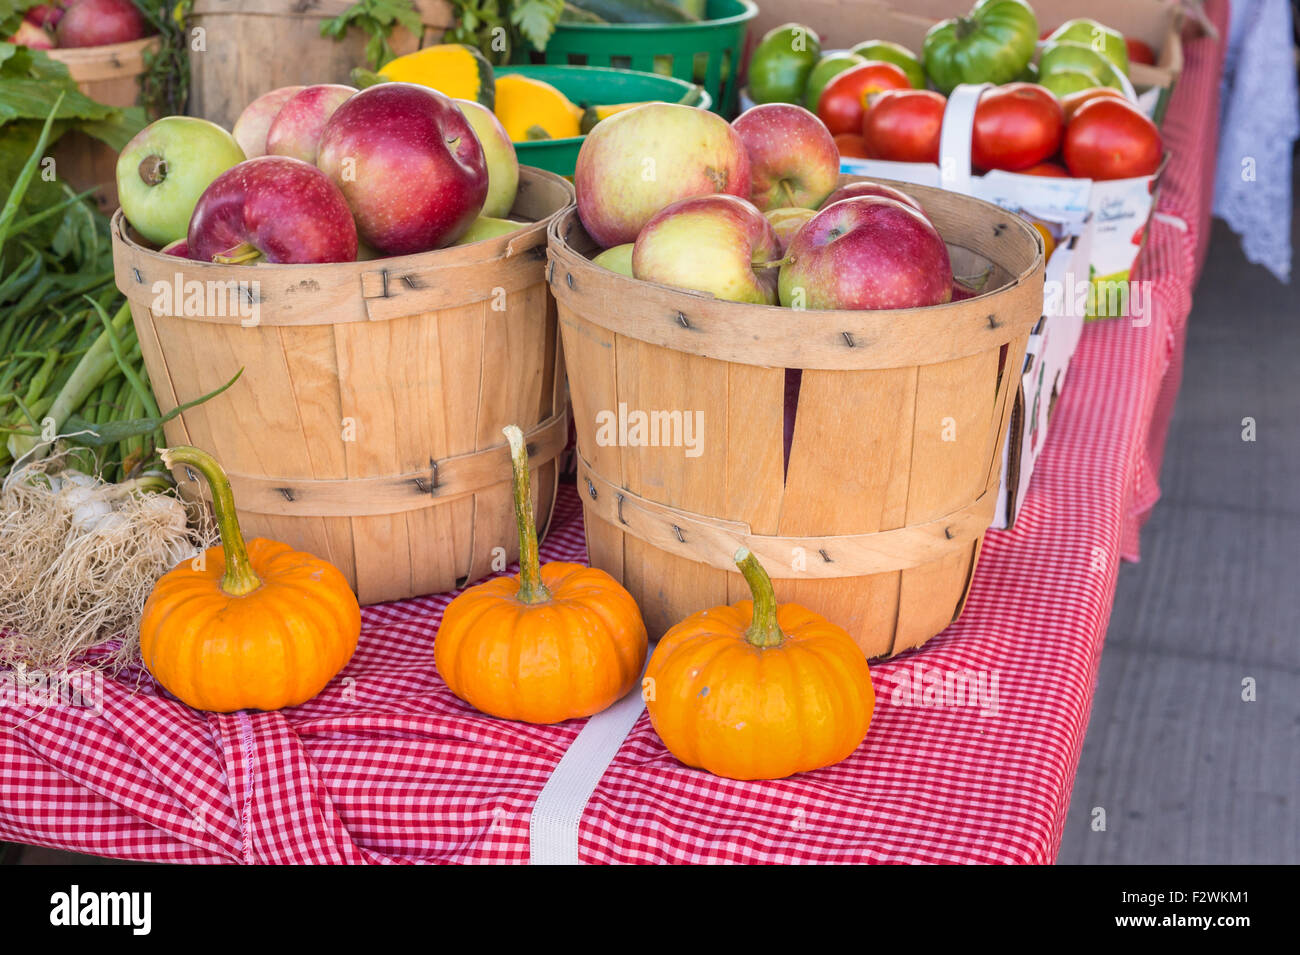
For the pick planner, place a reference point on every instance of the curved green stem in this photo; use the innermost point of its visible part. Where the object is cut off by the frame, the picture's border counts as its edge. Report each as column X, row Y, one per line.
column 239, row 578
column 763, row 629
column 531, row 588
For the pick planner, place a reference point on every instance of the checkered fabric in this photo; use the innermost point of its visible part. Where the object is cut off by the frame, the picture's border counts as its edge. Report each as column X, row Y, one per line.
column 387, row 766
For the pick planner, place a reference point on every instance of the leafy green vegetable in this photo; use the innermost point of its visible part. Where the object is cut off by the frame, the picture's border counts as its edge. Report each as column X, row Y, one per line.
column 91, row 435
column 377, row 18
column 165, row 85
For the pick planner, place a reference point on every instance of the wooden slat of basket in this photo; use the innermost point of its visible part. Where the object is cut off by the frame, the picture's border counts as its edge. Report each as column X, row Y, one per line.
column 652, row 379
column 754, row 445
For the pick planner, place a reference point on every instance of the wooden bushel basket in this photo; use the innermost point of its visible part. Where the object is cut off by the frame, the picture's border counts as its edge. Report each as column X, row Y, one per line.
column 366, row 427
column 897, row 440
column 109, row 75
column 250, row 47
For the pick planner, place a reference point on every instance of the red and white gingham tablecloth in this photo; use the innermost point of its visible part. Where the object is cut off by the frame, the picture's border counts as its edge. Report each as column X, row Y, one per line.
column 387, row 766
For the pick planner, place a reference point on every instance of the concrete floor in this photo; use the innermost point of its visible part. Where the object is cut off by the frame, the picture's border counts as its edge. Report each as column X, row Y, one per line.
column 1187, row 771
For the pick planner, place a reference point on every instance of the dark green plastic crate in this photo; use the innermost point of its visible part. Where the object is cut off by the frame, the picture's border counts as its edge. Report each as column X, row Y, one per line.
column 716, row 44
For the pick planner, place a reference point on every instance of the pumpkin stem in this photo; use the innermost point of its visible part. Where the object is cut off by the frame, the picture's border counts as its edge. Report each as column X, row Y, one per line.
column 763, row 629
column 239, row 578
column 531, row 588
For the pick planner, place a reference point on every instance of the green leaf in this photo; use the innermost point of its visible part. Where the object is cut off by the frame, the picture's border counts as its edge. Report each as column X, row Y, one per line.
column 119, row 128
column 80, row 431
column 536, row 20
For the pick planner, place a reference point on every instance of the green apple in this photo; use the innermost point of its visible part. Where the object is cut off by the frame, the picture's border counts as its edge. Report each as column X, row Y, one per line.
column 617, row 259
column 499, row 151
column 163, row 170
column 488, row 227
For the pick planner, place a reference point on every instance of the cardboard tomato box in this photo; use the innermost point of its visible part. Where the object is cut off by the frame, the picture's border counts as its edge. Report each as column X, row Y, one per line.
column 1116, row 211
column 843, row 23
column 1047, row 358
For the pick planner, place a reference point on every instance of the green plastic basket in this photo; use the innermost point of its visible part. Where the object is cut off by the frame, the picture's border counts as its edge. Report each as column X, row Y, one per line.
column 596, row 86
column 707, row 52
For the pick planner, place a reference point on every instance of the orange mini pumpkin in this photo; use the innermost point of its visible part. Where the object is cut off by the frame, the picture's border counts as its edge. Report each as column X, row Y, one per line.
column 257, row 626
column 554, row 643
column 757, row 691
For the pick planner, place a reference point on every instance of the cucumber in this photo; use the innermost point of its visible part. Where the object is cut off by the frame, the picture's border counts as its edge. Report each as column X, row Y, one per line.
column 636, row 11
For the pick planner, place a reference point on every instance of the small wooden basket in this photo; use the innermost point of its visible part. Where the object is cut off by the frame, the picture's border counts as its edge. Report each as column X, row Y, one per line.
column 109, row 75
column 251, row 47
column 366, row 427
column 897, row 440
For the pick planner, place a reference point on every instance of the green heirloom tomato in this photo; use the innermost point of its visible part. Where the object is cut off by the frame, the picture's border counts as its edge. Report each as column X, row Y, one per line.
column 828, row 67
column 782, row 61
column 895, row 53
column 1068, row 55
column 1064, row 82
column 991, row 45
column 1109, row 43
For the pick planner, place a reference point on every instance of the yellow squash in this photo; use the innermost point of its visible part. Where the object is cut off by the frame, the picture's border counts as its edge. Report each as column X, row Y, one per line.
column 459, row 71
column 530, row 110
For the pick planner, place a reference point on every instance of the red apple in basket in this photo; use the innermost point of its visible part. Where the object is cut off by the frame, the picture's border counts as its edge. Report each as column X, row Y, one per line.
column 715, row 244
column 46, row 15
column 180, row 248
column 408, row 163
column 864, row 187
column 99, row 23
column 866, row 252
column 255, row 121
column 793, row 159
column 636, row 162
column 297, row 128
column 273, row 208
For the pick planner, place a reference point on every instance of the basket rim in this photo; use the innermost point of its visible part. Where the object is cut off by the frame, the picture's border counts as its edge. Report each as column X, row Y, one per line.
column 749, row 12
column 766, row 327
column 481, row 252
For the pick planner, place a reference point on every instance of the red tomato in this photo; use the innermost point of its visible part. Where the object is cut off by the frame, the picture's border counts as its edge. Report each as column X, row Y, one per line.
column 904, row 125
column 1016, row 126
column 1139, row 52
column 852, row 145
column 844, row 99
column 1050, row 169
column 1111, row 139
column 1072, row 102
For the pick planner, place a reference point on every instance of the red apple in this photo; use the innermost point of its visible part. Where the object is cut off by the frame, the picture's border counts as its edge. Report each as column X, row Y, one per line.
column 636, row 162
column 99, row 23
column 32, row 36
column 180, row 248
column 255, row 121
column 408, row 163
column 866, row 252
column 275, row 208
column 793, row 159
column 46, row 15
column 715, row 244
column 297, row 128
column 864, row 187
column 786, row 222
